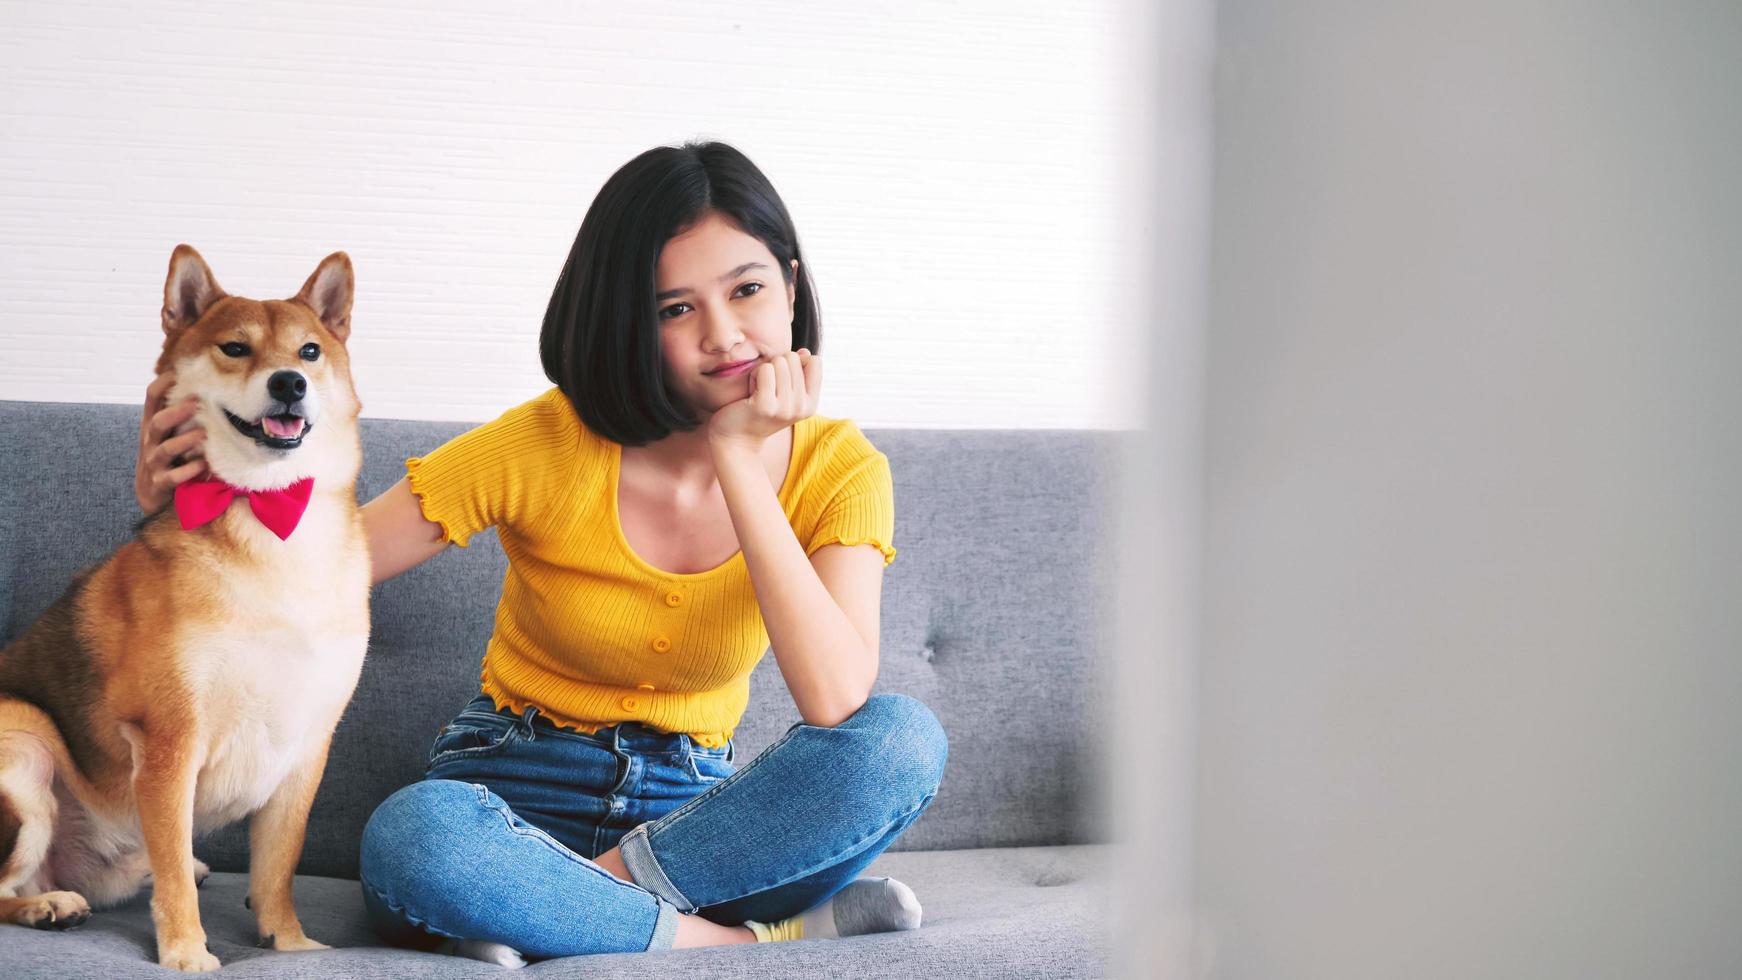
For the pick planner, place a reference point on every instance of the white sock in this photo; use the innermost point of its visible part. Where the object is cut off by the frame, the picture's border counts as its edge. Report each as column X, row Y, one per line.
column 488, row 952
column 865, row 906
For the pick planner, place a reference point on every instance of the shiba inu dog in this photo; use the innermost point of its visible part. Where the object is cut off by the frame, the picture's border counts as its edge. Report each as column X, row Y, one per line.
column 196, row 675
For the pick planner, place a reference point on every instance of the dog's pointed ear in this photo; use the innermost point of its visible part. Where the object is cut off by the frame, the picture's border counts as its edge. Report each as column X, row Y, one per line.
column 328, row 293
column 189, row 291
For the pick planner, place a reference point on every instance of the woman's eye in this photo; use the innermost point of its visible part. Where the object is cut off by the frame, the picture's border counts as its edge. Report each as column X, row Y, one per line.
column 234, row 349
column 310, row 352
column 679, row 309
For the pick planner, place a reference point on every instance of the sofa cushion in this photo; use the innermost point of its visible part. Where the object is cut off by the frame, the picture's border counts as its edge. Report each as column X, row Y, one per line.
column 993, row 912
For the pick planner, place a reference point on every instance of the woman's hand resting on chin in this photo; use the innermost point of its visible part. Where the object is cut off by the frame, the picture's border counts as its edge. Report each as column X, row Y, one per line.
column 783, row 390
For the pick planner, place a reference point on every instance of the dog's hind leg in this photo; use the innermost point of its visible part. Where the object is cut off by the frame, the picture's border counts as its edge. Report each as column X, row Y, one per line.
column 27, row 820
column 104, row 880
column 23, row 718
column 50, row 910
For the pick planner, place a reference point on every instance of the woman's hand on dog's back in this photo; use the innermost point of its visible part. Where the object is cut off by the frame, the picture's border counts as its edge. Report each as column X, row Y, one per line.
column 166, row 461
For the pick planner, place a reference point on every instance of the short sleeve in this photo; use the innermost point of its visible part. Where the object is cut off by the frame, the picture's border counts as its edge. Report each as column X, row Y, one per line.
column 503, row 473
column 861, row 508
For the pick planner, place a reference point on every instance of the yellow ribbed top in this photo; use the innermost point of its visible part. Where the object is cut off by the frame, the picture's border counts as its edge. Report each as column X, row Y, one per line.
column 587, row 630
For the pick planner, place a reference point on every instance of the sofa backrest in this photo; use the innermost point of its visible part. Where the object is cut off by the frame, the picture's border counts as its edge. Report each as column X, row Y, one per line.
column 994, row 615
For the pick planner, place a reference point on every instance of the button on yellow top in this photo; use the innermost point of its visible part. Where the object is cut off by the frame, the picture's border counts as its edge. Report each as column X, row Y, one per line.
column 630, row 704
column 644, row 687
column 661, row 644
column 673, row 599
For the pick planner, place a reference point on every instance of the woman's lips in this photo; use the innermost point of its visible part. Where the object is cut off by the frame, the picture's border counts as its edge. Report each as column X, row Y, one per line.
column 732, row 372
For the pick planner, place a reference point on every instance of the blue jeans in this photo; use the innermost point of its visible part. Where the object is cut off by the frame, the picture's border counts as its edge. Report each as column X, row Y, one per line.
column 495, row 843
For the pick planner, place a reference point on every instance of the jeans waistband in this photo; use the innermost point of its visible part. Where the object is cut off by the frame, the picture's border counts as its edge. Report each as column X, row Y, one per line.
column 628, row 736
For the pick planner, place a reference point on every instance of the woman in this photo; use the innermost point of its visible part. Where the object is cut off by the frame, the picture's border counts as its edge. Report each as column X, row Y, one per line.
column 668, row 510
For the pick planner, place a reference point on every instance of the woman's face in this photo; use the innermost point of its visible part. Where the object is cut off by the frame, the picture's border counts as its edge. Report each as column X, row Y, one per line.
column 720, row 299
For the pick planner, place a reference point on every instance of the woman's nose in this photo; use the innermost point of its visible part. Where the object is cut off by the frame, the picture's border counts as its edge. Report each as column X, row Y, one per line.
column 723, row 332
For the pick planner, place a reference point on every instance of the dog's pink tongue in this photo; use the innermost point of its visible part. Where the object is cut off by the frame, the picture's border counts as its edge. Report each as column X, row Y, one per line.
column 280, row 428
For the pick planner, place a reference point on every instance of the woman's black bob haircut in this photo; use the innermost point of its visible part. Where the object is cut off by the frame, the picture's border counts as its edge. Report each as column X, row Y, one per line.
column 600, row 342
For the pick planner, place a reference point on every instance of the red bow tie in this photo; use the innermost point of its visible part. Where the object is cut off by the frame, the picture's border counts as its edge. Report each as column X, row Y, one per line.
column 199, row 502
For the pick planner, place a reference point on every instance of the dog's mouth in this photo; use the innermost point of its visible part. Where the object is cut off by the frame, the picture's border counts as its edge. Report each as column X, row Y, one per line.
column 280, row 430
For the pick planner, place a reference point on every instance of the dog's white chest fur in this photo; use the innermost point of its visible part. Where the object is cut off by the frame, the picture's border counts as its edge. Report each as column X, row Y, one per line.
column 279, row 692
column 274, row 680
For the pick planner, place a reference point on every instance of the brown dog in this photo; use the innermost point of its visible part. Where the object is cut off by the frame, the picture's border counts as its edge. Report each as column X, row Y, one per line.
column 196, row 676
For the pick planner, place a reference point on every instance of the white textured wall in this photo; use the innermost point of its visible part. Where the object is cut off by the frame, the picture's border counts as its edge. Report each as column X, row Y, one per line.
column 952, row 169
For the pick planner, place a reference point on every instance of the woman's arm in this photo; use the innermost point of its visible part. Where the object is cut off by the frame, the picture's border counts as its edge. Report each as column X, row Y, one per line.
column 821, row 612
column 400, row 537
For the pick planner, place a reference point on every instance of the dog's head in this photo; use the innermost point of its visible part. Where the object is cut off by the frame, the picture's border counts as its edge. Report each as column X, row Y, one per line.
column 273, row 377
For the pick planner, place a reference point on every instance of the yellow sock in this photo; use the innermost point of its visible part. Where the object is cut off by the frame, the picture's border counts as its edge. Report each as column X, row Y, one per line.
column 774, row 932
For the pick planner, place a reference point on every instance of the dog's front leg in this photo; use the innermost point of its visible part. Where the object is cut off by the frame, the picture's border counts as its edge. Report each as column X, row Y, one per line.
column 163, row 782
column 275, row 838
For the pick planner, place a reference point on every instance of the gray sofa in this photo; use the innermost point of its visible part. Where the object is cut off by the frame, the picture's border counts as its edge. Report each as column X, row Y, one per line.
column 993, row 614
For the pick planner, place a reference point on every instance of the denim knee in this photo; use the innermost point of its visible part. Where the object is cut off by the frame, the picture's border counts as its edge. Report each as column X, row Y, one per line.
column 410, row 833
column 913, row 744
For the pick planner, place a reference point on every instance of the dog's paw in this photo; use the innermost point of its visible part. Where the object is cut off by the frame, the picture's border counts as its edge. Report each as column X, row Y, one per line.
column 291, row 944
column 202, row 871
column 187, row 959
column 54, row 910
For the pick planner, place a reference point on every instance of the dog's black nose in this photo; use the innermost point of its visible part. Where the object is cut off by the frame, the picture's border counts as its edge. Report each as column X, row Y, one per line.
column 287, row 386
